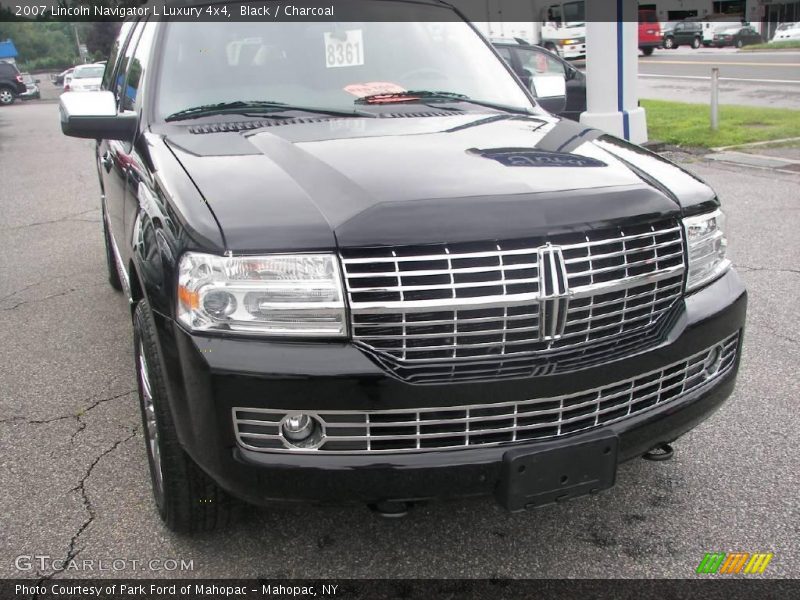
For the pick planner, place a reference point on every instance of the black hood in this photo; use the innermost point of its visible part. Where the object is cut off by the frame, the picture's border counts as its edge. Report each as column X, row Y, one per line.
column 313, row 183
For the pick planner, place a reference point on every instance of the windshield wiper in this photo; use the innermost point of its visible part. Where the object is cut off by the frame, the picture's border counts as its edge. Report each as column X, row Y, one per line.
column 257, row 106
column 432, row 96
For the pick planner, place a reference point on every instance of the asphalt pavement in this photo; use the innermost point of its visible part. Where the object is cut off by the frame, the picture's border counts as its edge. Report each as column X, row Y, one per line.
column 756, row 66
column 73, row 465
column 758, row 78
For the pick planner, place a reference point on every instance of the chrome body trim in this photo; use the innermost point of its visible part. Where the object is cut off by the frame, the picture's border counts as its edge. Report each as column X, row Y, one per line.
column 444, row 428
column 494, row 302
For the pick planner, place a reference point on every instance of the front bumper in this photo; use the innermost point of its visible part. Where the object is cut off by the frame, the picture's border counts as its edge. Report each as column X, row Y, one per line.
column 571, row 51
column 656, row 43
column 208, row 376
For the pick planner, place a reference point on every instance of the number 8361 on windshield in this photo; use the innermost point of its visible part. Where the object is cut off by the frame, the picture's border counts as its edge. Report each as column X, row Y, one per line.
column 344, row 48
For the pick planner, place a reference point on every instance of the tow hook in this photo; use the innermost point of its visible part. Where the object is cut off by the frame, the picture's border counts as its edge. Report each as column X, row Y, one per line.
column 391, row 509
column 660, row 453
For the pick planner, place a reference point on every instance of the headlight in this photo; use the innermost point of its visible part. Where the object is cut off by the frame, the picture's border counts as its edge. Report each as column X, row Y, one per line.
column 298, row 295
column 705, row 238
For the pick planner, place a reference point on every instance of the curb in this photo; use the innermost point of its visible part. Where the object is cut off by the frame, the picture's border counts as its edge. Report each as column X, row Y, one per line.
column 756, row 144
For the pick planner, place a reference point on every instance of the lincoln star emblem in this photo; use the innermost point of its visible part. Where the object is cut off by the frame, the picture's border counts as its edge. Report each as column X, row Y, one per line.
column 553, row 292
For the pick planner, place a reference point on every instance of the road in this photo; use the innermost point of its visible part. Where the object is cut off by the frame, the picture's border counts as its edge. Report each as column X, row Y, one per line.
column 764, row 79
column 756, row 67
column 74, row 475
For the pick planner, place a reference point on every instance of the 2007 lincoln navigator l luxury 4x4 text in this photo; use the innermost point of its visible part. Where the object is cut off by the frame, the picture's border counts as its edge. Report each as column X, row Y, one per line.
column 364, row 264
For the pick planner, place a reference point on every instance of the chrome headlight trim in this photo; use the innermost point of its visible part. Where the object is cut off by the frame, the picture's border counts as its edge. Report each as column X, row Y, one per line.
column 277, row 295
column 706, row 249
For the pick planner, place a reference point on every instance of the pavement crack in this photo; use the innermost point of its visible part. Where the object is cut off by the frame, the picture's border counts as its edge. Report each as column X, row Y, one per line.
column 776, row 333
column 75, row 217
column 78, row 416
column 747, row 269
column 72, row 552
column 23, row 302
column 45, row 298
column 43, row 281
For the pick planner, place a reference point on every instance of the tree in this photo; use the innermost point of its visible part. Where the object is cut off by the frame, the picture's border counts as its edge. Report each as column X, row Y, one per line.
column 100, row 36
column 41, row 45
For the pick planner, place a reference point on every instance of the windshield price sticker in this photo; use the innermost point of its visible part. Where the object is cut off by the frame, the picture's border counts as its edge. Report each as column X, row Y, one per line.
column 344, row 48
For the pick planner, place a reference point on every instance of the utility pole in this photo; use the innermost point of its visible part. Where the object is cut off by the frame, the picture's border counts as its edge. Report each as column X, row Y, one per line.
column 81, row 49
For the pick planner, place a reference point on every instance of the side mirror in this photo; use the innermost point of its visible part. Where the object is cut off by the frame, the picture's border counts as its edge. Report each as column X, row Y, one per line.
column 550, row 90
column 94, row 115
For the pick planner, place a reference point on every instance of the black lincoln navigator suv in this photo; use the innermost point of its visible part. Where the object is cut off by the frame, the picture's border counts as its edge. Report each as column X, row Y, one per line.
column 364, row 265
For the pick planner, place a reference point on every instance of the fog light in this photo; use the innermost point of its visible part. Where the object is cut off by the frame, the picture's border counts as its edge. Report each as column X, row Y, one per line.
column 713, row 361
column 297, row 428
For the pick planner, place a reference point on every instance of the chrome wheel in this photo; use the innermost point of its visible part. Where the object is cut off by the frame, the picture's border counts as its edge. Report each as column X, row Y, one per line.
column 6, row 97
column 151, row 426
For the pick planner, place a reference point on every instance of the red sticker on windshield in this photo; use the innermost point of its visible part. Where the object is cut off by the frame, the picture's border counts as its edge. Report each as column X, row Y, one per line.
column 373, row 88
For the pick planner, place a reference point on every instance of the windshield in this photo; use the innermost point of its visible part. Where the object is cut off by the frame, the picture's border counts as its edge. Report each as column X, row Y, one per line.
column 329, row 65
column 88, row 72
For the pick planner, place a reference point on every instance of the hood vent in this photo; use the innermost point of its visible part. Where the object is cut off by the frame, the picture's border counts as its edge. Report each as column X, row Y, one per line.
column 237, row 126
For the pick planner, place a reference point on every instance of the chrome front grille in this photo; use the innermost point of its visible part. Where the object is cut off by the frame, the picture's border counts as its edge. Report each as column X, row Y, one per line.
column 496, row 309
column 452, row 427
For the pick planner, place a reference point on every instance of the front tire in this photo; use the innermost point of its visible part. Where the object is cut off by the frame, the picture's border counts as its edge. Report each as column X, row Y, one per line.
column 696, row 43
column 669, row 43
column 647, row 51
column 6, row 97
column 739, row 43
column 188, row 500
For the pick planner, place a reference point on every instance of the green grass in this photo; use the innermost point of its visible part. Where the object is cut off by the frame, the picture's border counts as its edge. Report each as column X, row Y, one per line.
column 690, row 124
column 789, row 44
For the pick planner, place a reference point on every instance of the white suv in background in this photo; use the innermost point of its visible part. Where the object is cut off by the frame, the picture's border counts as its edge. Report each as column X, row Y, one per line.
column 85, row 78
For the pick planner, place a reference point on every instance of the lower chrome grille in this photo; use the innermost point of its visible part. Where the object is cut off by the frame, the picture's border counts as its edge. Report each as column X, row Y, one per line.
column 453, row 427
column 472, row 311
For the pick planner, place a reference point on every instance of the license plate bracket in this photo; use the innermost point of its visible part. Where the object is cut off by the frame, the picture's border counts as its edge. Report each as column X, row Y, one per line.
column 554, row 473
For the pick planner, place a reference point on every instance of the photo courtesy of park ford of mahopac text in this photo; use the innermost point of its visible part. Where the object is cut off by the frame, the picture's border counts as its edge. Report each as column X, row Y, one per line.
column 376, row 299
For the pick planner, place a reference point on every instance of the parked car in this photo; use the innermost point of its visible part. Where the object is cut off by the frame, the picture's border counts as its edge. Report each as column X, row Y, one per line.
column 392, row 277
column 59, row 79
column 31, row 88
column 786, row 32
column 530, row 62
column 736, row 36
column 11, row 84
column 684, row 33
column 84, row 78
column 650, row 36
column 711, row 26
